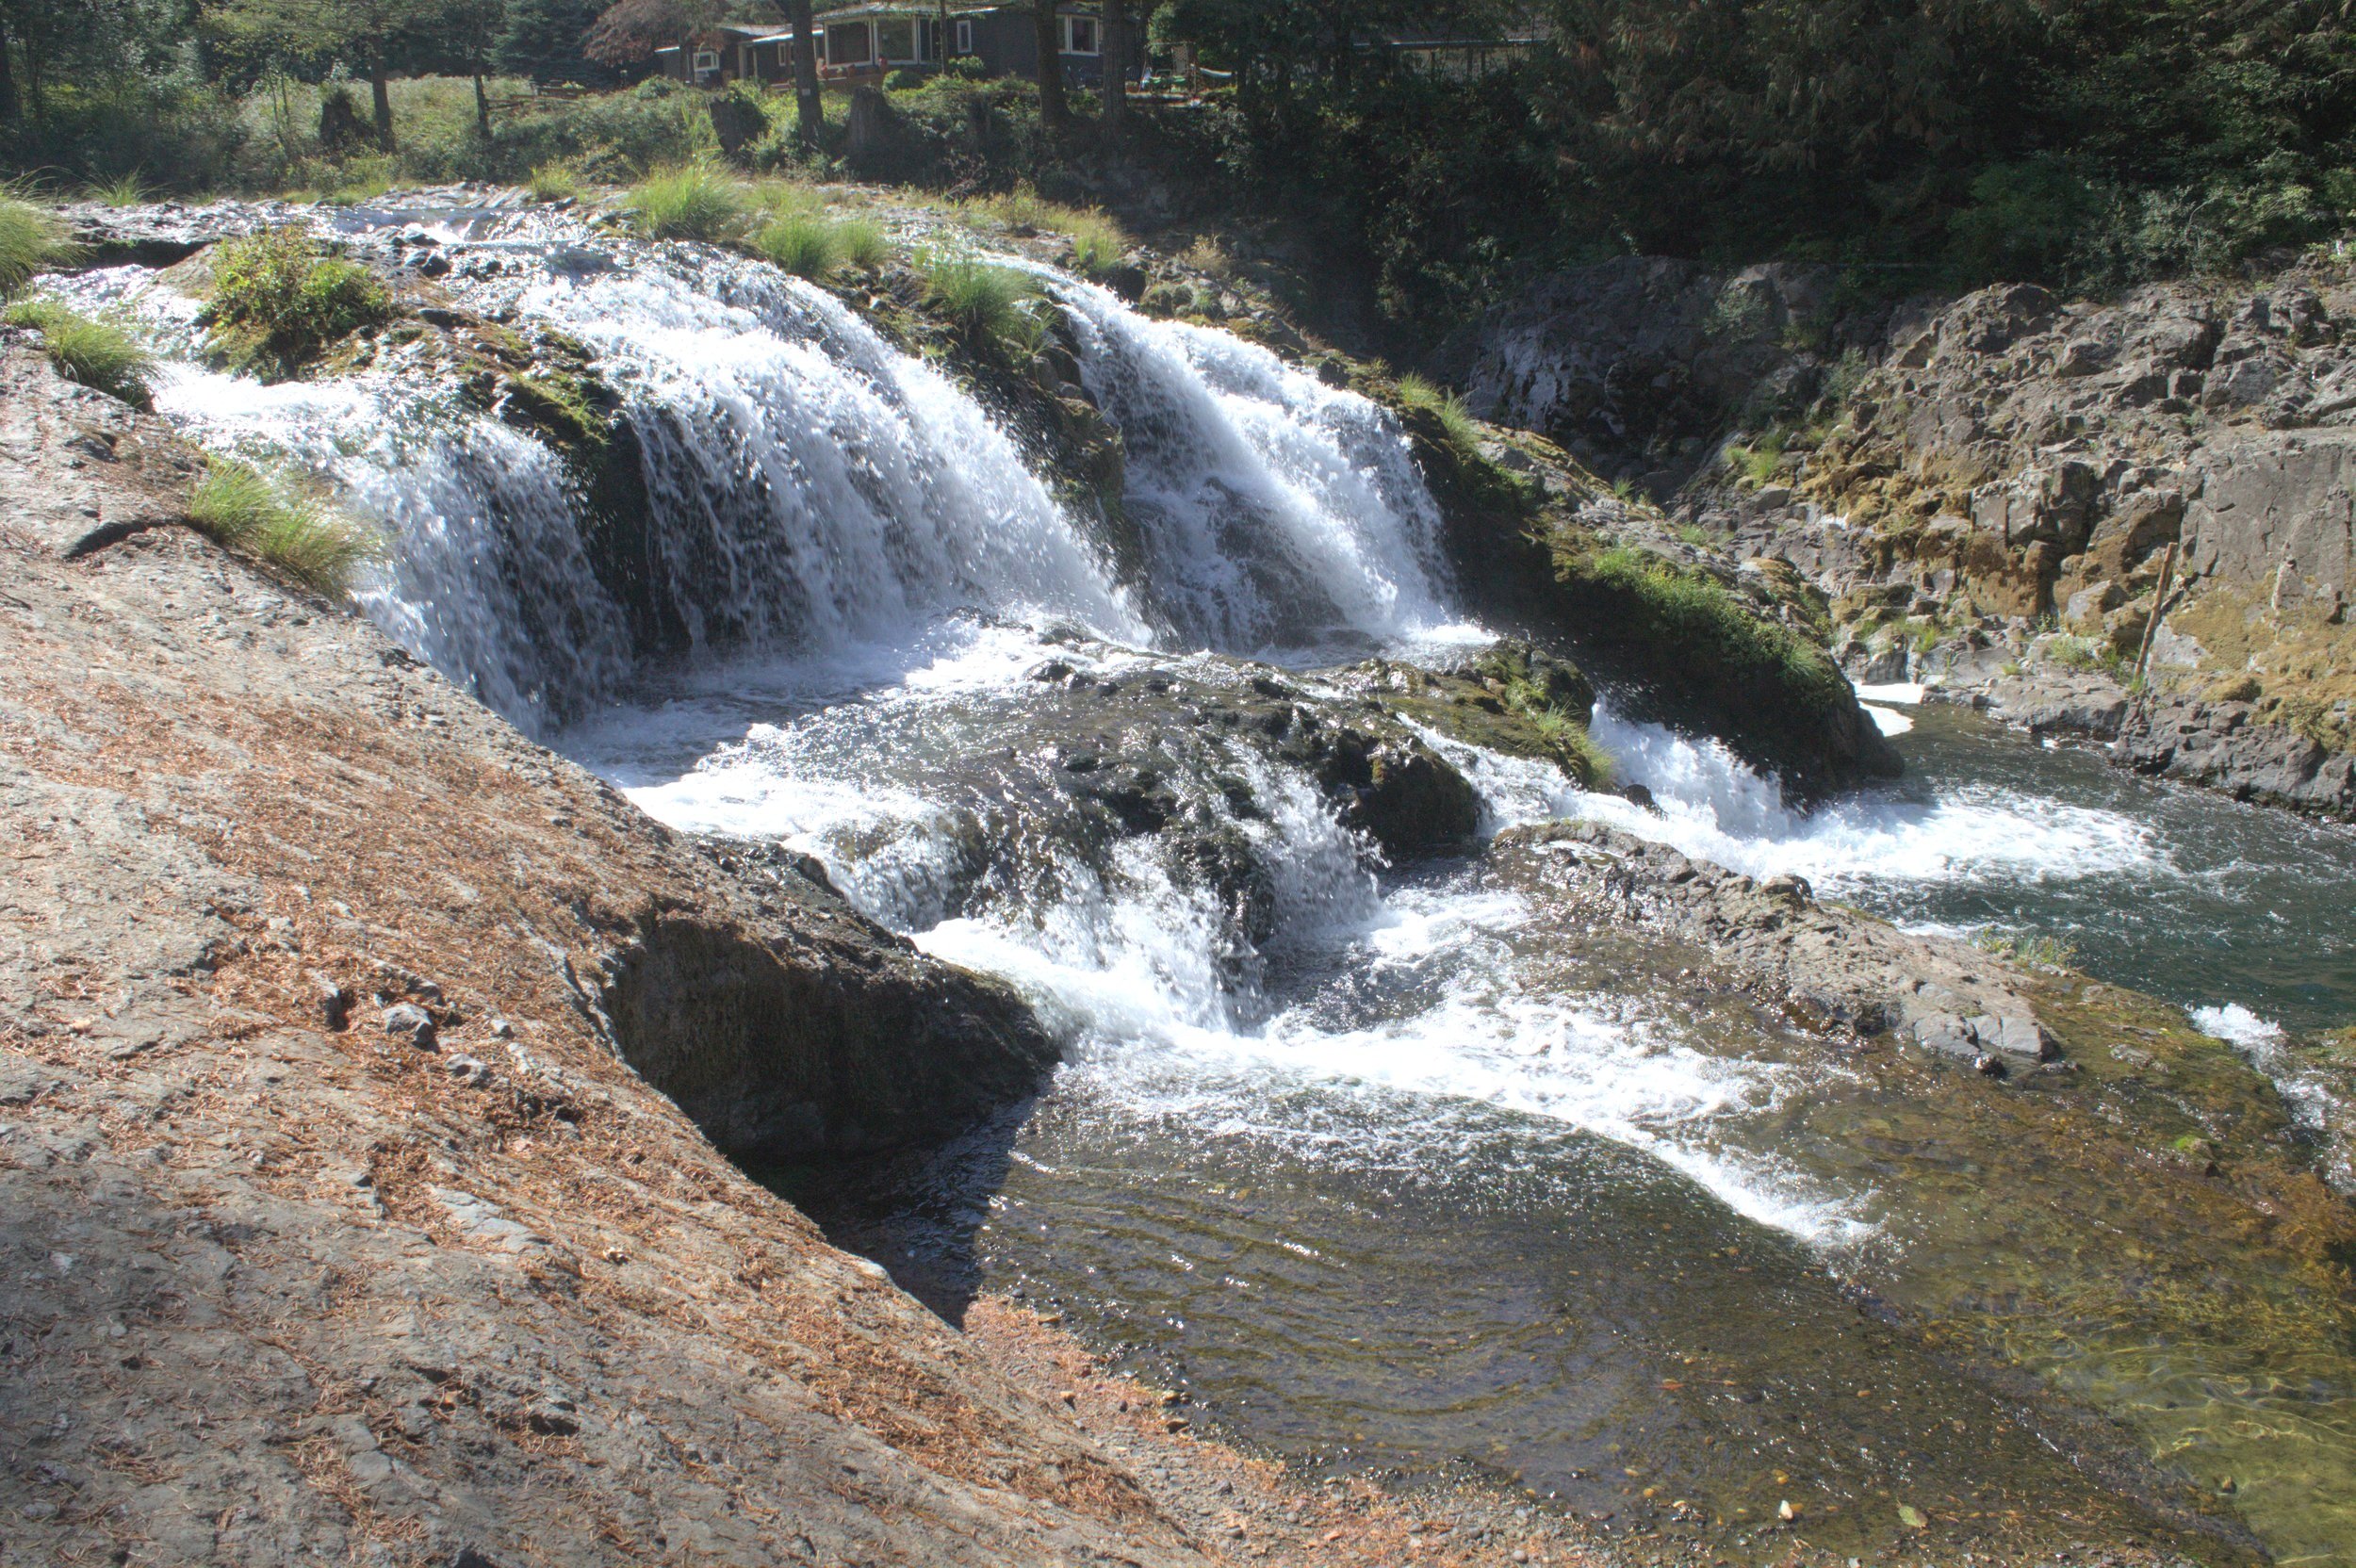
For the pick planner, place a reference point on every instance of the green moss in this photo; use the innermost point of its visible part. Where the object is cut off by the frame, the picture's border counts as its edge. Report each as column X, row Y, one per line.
column 1514, row 700
column 560, row 403
column 1697, row 612
column 282, row 524
column 95, row 353
column 280, row 299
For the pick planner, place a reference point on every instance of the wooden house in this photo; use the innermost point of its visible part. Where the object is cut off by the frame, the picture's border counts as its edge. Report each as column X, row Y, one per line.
column 868, row 42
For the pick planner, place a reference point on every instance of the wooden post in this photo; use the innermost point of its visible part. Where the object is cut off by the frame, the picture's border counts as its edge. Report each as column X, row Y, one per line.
column 2159, row 608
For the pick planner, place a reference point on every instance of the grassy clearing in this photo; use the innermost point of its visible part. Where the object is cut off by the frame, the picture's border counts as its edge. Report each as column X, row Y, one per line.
column 30, row 241
column 692, row 201
column 1456, row 420
column 279, row 298
column 997, row 308
column 95, row 353
column 290, row 530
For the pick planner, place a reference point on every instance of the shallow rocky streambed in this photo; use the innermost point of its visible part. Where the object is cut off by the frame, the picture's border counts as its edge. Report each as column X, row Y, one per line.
column 1419, row 1110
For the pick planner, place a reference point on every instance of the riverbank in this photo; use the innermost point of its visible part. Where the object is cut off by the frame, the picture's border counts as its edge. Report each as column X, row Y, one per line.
column 2121, row 517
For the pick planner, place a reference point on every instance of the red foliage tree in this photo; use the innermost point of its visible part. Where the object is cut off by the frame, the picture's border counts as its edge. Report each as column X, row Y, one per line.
column 631, row 30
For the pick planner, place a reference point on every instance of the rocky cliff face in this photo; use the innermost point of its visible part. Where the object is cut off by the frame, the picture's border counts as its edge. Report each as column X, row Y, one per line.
column 347, row 1210
column 2002, row 482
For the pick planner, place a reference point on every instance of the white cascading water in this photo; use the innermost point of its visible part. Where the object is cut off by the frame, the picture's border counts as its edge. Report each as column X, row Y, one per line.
column 1713, row 808
column 867, row 547
column 1278, row 512
column 816, row 487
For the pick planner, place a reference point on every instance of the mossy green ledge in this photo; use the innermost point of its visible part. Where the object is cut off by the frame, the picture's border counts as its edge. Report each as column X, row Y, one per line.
column 1678, row 631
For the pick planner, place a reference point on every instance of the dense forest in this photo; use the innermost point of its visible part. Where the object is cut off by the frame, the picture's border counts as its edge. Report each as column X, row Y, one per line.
column 1923, row 142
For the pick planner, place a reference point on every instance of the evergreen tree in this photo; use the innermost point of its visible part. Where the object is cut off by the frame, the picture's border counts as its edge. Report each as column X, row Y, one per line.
column 543, row 40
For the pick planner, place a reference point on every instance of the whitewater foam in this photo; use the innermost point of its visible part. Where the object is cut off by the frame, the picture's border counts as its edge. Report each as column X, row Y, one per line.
column 1710, row 805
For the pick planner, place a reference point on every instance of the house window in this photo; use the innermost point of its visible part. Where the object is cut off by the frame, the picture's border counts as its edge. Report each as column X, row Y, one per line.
column 785, row 57
column 849, row 44
column 965, row 36
column 707, row 62
column 1079, row 34
column 895, row 38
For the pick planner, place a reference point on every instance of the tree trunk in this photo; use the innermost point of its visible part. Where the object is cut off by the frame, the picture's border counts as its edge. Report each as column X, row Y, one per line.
column 481, row 108
column 1114, row 44
column 381, row 96
column 1052, row 111
column 809, row 103
column 7, row 79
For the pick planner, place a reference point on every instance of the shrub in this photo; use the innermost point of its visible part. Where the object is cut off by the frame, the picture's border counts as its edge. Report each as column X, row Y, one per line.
column 96, row 353
column 30, row 241
column 806, row 247
column 691, row 201
column 290, row 530
column 555, row 182
column 279, row 298
column 1456, row 420
column 994, row 308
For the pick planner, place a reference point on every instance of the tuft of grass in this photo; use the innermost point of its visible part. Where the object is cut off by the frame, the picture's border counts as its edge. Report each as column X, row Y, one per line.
column 1456, row 421
column 30, row 241
column 690, row 201
column 279, row 297
column 996, row 308
column 806, row 247
column 124, row 191
column 2032, row 949
column 863, row 243
column 96, row 353
column 287, row 528
column 1756, row 462
column 559, row 181
column 1208, row 257
column 1098, row 243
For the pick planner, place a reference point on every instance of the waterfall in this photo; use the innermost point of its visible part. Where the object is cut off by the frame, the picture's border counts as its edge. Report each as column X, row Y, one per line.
column 811, row 485
column 1278, row 512
column 869, row 575
column 484, row 575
